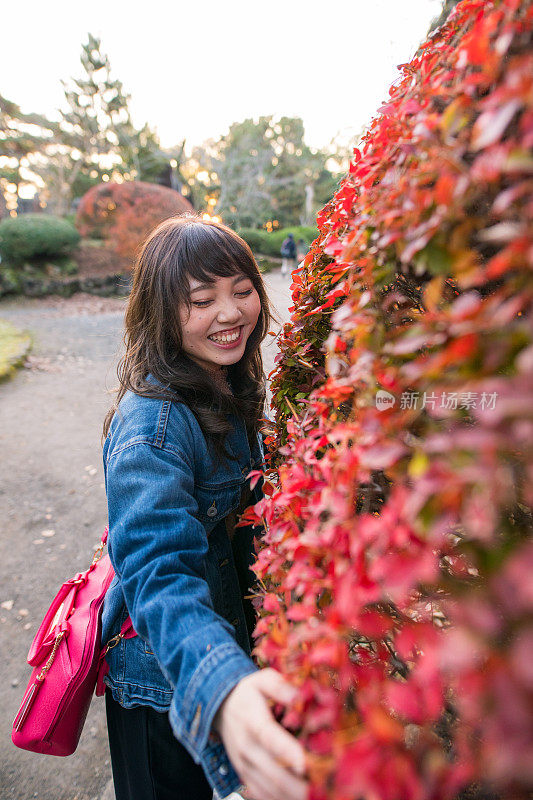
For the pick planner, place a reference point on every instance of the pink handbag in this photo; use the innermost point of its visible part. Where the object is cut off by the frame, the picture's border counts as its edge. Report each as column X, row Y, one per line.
column 68, row 663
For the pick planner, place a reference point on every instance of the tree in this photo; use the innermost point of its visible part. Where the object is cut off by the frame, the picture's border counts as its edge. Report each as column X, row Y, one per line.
column 94, row 127
column 263, row 170
column 97, row 139
column 295, row 173
column 201, row 182
column 244, row 168
column 145, row 159
column 23, row 137
column 94, row 140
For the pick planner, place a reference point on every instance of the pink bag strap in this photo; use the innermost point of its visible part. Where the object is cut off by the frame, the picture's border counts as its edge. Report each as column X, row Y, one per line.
column 126, row 632
column 55, row 621
column 100, row 549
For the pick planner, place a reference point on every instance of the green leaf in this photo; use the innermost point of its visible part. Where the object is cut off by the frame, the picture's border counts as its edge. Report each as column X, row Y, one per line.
column 434, row 258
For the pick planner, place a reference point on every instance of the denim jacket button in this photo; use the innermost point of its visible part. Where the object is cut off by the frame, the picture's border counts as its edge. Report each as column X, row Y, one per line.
column 212, row 510
column 246, row 470
column 223, row 769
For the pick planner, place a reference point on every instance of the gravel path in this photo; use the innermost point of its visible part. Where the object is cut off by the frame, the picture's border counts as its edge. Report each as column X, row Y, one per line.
column 53, row 508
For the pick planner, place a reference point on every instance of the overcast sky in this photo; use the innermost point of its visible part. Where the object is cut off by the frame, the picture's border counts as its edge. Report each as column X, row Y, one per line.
column 192, row 68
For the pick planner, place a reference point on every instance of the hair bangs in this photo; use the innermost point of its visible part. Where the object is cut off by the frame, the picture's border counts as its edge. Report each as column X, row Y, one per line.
column 208, row 253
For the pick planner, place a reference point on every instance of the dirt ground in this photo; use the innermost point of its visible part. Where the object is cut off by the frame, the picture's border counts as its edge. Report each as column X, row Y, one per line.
column 53, row 508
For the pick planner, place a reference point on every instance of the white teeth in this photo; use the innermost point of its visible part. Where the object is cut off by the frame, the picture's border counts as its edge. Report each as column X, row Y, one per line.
column 225, row 338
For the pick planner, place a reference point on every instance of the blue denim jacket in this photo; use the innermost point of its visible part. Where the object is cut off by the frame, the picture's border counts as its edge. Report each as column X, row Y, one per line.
column 178, row 574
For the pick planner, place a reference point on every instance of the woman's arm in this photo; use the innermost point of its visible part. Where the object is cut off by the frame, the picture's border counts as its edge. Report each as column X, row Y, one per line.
column 158, row 548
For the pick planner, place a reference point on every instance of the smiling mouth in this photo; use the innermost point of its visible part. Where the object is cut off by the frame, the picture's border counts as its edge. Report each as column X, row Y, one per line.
column 227, row 337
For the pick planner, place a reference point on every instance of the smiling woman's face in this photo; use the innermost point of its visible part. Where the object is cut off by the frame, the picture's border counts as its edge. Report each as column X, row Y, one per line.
column 222, row 316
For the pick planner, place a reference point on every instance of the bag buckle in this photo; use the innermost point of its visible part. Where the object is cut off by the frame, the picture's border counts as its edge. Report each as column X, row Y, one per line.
column 113, row 642
column 98, row 553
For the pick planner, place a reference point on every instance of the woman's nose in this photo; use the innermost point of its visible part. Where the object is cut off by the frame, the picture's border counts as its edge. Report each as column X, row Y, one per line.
column 229, row 311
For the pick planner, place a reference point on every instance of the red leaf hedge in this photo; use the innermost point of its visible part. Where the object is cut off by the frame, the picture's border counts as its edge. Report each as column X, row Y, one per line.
column 122, row 214
column 398, row 562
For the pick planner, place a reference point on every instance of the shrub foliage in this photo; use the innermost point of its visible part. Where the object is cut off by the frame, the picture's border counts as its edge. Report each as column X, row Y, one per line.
column 122, row 214
column 398, row 557
column 270, row 243
column 36, row 237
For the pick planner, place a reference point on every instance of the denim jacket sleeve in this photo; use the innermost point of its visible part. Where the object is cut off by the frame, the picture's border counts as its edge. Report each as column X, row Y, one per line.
column 157, row 547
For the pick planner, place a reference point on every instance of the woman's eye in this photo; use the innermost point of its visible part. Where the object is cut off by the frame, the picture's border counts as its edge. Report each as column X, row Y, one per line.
column 205, row 303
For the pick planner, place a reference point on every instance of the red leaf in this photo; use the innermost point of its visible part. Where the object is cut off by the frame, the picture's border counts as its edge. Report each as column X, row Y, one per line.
column 491, row 125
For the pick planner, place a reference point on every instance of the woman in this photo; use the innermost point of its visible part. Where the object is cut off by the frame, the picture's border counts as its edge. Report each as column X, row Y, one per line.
column 187, row 708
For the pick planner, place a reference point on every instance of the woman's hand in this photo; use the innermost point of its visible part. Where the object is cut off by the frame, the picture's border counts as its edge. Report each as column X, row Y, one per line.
column 266, row 757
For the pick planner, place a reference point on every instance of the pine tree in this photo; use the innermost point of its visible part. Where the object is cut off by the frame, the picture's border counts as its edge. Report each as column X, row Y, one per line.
column 98, row 140
column 98, row 115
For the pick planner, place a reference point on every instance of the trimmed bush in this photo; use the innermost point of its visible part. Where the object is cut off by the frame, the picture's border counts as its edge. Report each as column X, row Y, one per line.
column 36, row 238
column 275, row 239
column 398, row 551
column 122, row 214
column 255, row 238
column 270, row 243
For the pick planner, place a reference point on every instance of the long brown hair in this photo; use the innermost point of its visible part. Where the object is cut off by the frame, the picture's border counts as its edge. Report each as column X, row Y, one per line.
column 179, row 249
